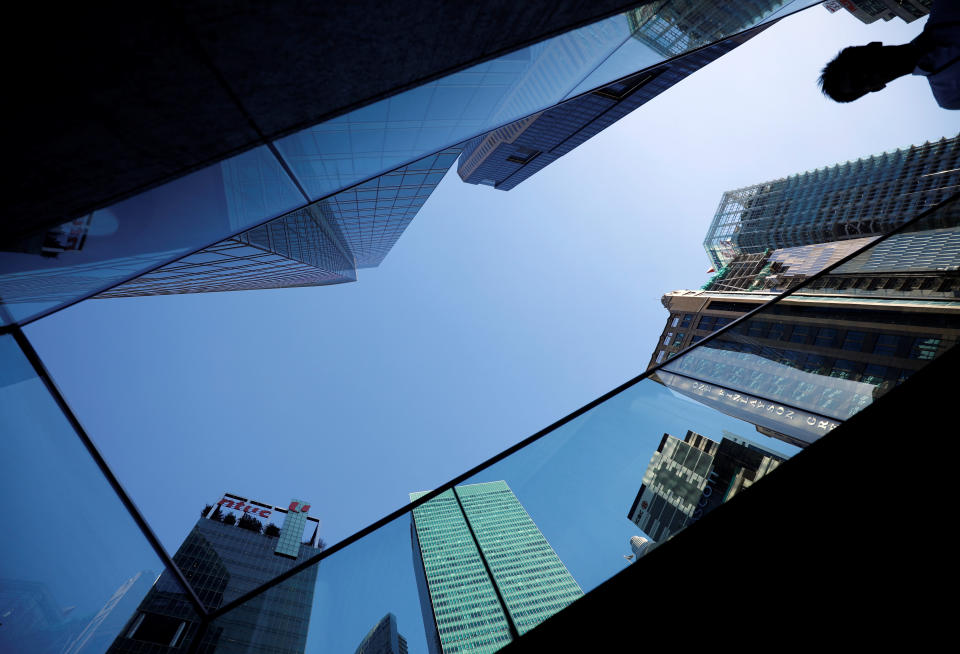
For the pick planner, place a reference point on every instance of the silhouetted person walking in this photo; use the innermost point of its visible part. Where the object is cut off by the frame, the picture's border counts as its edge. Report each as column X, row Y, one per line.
column 935, row 54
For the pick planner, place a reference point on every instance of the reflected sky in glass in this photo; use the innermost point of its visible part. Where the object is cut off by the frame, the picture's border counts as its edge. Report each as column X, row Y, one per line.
column 494, row 314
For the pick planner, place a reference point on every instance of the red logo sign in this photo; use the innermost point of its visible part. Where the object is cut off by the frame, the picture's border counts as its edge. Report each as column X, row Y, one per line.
column 246, row 508
column 298, row 507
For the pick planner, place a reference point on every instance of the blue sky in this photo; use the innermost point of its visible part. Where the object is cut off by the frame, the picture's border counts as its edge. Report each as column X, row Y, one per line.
column 494, row 315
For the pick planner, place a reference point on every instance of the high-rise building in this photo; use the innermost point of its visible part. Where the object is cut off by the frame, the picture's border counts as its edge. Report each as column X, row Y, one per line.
column 485, row 571
column 687, row 478
column 511, row 154
column 223, row 558
column 867, row 197
column 383, row 638
column 868, row 11
column 850, row 334
column 323, row 243
column 831, row 354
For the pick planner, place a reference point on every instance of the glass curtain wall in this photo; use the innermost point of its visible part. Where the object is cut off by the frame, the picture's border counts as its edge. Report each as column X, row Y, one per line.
column 532, row 530
column 90, row 254
column 72, row 583
column 650, row 460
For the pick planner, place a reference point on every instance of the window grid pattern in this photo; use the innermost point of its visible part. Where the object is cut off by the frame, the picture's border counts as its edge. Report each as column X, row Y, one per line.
column 866, row 197
column 672, row 485
column 372, row 216
column 465, row 607
column 531, row 577
column 812, row 355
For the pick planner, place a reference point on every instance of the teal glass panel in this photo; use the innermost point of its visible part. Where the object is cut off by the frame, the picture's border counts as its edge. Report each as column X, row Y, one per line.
column 74, row 566
column 93, row 253
column 452, row 575
column 528, row 573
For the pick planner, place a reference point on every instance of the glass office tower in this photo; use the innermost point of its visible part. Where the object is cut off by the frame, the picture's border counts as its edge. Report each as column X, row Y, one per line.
column 511, row 154
column 867, row 197
column 224, row 557
column 45, row 270
column 323, row 243
column 49, row 456
column 485, row 572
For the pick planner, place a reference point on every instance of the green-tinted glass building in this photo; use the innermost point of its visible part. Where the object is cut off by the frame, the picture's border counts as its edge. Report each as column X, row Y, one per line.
column 484, row 570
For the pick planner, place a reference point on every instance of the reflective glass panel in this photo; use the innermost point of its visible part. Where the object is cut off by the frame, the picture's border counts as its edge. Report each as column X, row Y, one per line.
column 74, row 565
column 660, row 30
column 842, row 341
column 394, row 131
column 89, row 254
column 497, row 555
column 365, row 593
column 95, row 252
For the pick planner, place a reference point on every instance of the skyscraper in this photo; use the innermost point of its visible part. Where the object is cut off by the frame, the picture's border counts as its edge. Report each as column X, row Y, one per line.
column 831, row 354
column 224, row 557
column 687, row 478
column 383, row 638
column 867, row 197
column 510, row 154
column 323, row 243
column 485, row 572
column 849, row 335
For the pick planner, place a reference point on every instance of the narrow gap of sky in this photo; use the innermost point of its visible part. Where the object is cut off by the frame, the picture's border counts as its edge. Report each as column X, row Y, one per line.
column 494, row 315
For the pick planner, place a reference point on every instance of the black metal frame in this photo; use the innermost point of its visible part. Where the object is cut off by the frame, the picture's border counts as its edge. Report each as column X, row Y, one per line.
column 283, row 164
column 207, row 616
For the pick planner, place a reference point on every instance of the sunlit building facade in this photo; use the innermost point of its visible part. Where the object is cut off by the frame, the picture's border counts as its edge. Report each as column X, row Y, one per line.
column 867, row 197
column 485, row 571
